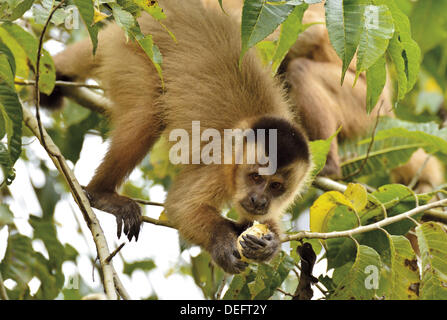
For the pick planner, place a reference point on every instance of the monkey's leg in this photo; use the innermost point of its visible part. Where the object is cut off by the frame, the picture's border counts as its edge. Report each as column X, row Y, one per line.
column 315, row 108
column 193, row 204
column 135, row 133
column 430, row 176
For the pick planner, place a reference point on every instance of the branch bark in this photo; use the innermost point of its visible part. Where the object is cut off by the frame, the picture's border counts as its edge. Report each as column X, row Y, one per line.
column 367, row 228
column 82, row 201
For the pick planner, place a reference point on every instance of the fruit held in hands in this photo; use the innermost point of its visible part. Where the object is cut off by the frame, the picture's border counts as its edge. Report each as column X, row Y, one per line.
column 257, row 230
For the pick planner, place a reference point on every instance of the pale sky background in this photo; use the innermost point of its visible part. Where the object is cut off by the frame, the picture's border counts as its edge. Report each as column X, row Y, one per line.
column 155, row 242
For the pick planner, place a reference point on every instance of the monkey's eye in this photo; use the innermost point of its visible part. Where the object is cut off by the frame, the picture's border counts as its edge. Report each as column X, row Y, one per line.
column 275, row 186
column 256, row 178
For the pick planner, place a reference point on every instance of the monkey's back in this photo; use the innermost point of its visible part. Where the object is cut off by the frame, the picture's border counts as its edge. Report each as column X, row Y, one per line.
column 201, row 75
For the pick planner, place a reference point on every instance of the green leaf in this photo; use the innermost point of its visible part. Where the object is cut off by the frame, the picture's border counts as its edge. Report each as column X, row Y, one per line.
column 344, row 20
column 290, row 30
column 429, row 22
column 87, row 12
column 30, row 45
column 6, row 216
column 21, row 263
column 352, row 280
column 8, row 65
column 378, row 29
column 403, row 50
column 404, row 270
column 206, row 276
column 18, row 9
column 319, row 150
column 144, row 265
column 259, row 19
column 375, row 82
column 260, row 281
column 237, row 289
column 11, row 108
column 270, row 276
column 384, row 155
column 402, row 199
column 432, row 239
column 429, row 134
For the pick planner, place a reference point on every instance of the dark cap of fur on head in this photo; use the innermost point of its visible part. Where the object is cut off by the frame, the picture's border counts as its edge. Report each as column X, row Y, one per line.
column 291, row 142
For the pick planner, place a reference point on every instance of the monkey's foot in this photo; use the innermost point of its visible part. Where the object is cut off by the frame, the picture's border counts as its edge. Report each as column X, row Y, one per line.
column 226, row 255
column 260, row 249
column 126, row 211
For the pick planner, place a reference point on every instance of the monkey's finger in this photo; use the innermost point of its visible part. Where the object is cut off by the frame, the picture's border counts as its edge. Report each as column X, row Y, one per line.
column 135, row 230
column 126, row 227
column 257, row 240
column 237, row 254
column 268, row 236
column 240, row 265
column 253, row 245
column 119, row 223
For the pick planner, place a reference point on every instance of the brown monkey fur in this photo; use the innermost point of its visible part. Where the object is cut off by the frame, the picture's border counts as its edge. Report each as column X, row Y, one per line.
column 312, row 70
column 202, row 82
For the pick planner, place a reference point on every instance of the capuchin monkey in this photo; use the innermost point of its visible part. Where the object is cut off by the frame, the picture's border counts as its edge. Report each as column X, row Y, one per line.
column 204, row 83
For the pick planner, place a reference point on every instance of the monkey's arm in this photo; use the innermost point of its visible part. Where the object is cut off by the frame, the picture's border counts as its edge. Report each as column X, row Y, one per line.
column 193, row 205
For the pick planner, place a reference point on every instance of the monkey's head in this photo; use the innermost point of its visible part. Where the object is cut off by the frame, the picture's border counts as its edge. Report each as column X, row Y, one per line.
column 268, row 186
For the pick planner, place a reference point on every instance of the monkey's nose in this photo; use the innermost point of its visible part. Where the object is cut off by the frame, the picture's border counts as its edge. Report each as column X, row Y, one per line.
column 258, row 201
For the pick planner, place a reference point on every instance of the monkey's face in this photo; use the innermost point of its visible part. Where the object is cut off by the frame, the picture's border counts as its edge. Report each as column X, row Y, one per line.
column 258, row 196
column 255, row 192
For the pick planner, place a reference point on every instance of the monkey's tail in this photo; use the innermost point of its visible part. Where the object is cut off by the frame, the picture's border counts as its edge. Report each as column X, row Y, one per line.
column 75, row 63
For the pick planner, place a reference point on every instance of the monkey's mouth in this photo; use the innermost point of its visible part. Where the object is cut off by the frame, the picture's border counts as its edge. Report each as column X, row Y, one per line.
column 249, row 208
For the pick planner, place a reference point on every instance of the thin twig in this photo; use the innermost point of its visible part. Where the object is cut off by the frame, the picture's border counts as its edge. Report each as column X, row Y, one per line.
column 367, row 228
column 37, row 75
column 60, row 83
column 373, row 134
column 285, row 293
column 80, row 198
column 110, row 257
column 157, row 222
column 149, row 203
column 416, row 177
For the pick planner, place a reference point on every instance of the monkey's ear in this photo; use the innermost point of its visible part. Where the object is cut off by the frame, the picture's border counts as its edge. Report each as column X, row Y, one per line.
column 292, row 143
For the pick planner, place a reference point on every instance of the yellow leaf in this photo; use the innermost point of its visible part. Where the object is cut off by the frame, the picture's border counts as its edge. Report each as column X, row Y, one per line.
column 356, row 193
column 323, row 206
column 98, row 16
column 163, row 216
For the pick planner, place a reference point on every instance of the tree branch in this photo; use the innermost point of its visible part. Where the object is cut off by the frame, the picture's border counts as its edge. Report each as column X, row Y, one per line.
column 24, row 82
column 81, row 199
column 367, row 228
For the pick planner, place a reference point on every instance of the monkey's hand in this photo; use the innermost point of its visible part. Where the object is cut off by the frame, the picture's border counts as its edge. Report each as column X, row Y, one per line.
column 224, row 251
column 260, row 249
column 126, row 211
